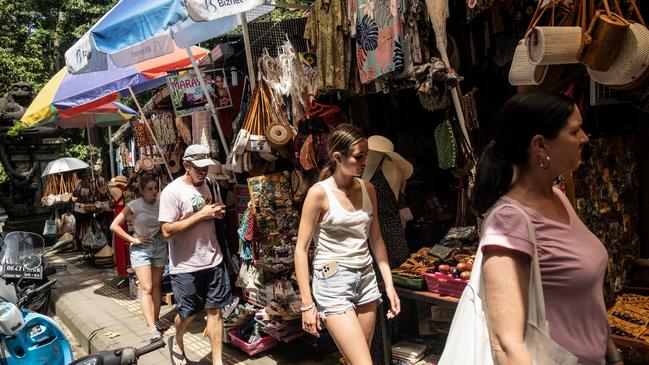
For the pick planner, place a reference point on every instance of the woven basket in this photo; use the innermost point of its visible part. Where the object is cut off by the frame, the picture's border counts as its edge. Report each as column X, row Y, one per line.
column 522, row 71
column 553, row 45
column 633, row 60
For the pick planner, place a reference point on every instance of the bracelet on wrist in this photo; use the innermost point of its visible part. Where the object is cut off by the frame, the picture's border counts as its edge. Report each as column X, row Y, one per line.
column 307, row 308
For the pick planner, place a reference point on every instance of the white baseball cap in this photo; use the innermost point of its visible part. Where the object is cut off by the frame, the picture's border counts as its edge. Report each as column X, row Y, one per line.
column 198, row 155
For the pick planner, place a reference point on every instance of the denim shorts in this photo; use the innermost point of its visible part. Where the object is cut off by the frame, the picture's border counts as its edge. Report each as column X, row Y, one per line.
column 346, row 289
column 154, row 253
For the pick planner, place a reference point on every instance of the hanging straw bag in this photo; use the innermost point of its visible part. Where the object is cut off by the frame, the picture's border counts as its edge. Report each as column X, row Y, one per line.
column 522, row 71
column 468, row 339
column 258, row 119
column 553, row 45
column 602, row 41
column 628, row 71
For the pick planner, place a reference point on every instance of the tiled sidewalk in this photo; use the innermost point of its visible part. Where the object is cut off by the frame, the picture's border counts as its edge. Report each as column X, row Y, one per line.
column 102, row 316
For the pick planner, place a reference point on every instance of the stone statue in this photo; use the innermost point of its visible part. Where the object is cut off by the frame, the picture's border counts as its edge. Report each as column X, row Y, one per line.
column 14, row 102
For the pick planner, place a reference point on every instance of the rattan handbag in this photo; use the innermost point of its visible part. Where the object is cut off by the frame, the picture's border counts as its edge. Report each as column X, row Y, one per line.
column 602, row 41
column 553, row 45
column 632, row 64
column 522, row 71
column 630, row 70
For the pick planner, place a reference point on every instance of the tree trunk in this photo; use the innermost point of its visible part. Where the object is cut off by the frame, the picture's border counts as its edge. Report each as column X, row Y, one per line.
column 55, row 61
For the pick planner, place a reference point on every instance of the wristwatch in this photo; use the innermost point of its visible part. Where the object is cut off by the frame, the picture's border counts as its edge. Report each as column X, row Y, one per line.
column 615, row 357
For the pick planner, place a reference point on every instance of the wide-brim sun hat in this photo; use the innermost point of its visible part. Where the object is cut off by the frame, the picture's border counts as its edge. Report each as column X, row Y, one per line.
column 118, row 180
column 384, row 145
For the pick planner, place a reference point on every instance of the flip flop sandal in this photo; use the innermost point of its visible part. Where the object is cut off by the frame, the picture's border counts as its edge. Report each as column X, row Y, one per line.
column 173, row 356
column 161, row 327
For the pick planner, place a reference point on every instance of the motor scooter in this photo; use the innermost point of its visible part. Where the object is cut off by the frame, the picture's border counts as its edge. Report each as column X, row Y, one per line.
column 23, row 267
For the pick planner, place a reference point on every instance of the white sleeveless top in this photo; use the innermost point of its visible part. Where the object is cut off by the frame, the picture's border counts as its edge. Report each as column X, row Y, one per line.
column 342, row 235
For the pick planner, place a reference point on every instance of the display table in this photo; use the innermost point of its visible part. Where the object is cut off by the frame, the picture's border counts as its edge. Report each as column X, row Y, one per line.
column 428, row 297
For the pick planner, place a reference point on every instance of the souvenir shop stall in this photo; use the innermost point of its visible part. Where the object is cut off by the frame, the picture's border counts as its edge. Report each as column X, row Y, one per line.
column 424, row 80
column 79, row 199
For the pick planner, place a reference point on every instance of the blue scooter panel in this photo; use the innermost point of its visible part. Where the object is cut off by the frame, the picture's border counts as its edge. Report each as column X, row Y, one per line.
column 40, row 342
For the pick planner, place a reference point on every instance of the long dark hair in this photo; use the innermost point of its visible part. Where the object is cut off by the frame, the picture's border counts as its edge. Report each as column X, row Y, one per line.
column 342, row 139
column 520, row 119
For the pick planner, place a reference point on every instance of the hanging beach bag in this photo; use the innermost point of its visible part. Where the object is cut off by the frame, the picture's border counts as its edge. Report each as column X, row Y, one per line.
column 602, row 41
column 523, row 71
column 279, row 134
column 468, row 340
column 628, row 71
column 553, row 45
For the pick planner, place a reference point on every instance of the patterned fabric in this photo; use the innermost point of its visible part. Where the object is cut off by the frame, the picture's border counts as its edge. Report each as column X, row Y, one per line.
column 397, row 248
column 328, row 30
column 379, row 38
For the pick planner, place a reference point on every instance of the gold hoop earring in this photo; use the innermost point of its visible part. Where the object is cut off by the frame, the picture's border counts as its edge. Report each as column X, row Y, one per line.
column 542, row 164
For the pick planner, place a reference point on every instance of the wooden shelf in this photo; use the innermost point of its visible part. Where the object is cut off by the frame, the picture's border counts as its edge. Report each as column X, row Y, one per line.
column 428, row 297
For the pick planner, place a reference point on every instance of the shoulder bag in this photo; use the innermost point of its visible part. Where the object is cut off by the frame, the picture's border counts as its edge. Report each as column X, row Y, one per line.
column 468, row 340
column 231, row 261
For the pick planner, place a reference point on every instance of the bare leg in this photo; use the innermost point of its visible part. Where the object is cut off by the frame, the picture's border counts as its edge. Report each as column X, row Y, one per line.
column 346, row 330
column 215, row 331
column 143, row 274
column 156, row 290
column 181, row 327
column 367, row 317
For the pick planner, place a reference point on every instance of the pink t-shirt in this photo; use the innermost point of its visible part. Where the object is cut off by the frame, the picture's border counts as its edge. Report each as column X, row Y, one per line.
column 197, row 248
column 573, row 263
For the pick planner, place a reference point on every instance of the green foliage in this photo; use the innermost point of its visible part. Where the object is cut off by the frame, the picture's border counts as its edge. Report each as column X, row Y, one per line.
column 34, row 35
column 80, row 151
column 3, row 175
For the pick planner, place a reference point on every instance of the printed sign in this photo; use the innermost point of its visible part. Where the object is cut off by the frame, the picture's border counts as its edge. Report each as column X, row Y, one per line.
column 188, row 97
column 206, row 10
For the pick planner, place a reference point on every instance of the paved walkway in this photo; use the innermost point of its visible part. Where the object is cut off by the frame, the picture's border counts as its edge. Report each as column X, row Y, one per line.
column 101, row 316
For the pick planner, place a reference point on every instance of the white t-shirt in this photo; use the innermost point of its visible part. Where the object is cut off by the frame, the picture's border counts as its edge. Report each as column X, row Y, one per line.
column 197, row 248
column 145, row 217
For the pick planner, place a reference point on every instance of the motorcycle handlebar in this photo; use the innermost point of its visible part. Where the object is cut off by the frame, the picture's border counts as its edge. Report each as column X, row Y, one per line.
column 45, row 286
column 150, row 347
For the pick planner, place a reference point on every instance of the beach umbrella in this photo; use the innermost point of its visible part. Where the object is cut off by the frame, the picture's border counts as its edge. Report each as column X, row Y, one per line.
column 112, row 114
column 65, row 95
column 134, row 30
column 64, row 164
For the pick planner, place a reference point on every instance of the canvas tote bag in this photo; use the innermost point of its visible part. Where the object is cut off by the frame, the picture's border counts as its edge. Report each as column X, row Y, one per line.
column 468, row 340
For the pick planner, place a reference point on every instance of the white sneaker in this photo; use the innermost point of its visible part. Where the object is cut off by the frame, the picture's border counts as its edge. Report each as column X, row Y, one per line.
column 227, row 310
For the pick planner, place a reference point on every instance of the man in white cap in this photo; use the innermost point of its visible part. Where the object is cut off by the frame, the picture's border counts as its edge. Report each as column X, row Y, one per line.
column 198, row 276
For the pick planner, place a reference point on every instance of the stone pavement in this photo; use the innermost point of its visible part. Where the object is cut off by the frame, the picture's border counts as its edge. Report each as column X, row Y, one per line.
column 102, row 316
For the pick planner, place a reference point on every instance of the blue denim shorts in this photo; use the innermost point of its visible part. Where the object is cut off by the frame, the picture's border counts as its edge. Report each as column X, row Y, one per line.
column 346, row 289
column 154, row 253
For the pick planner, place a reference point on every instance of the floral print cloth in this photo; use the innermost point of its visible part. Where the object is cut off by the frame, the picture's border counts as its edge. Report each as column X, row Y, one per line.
column 379, row 37
column 328, row 30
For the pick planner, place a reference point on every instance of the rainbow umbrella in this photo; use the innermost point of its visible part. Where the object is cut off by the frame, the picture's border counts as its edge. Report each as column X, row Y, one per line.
column 66, row 95
column 108, row 115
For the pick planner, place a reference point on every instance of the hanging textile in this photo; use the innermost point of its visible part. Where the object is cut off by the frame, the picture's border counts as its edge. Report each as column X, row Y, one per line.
column 328, row 31
column 202, row 131
column 120, row 245
column 379, row 38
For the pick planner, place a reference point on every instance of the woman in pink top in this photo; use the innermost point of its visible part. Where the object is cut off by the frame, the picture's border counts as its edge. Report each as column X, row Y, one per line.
column 538, row 137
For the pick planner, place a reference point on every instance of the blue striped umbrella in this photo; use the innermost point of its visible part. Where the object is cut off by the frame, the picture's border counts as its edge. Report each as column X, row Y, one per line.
column 136, row 30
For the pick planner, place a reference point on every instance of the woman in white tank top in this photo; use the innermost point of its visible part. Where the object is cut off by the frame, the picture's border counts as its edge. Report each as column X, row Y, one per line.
column 339, row 216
